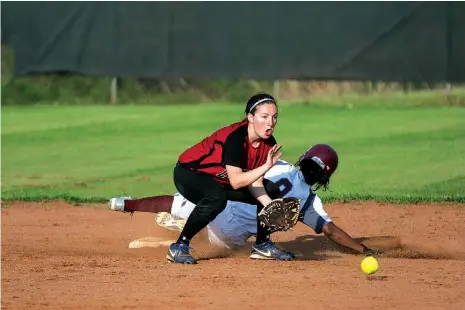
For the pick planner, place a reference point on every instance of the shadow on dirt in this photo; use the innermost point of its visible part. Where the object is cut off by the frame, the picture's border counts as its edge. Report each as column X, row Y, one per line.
column 317, row 247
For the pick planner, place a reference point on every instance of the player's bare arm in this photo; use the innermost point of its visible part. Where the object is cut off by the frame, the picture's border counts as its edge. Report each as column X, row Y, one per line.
column 336, row 234
column 339, row 236
column 238, row 178
column 257, row 189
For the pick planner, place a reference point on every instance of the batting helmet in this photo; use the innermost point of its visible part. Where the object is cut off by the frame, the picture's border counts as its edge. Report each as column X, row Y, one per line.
column 318, row 164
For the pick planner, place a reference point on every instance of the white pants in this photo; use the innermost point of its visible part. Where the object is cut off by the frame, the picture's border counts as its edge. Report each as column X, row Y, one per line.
column 230, row 229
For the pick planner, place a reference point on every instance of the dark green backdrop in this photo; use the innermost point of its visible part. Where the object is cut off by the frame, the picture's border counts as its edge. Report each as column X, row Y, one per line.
column 395, row 41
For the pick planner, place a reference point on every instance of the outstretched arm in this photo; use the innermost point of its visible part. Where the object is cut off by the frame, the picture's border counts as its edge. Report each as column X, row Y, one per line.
column 339, row 236
column 239, row 178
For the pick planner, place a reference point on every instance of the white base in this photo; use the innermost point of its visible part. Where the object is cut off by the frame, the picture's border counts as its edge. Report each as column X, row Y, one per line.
column 150, row 242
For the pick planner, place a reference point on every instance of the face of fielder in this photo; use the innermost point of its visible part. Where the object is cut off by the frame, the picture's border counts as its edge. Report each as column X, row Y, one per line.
column 264, row 120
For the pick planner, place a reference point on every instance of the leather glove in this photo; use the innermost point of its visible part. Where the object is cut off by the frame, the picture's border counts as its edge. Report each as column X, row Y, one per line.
column 280, row 214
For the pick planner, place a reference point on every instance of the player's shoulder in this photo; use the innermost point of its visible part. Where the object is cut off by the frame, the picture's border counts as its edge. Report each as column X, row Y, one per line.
column 283, row 163
column 233, row 132
column 282, row 167
column 241, row 125
column 232, row 127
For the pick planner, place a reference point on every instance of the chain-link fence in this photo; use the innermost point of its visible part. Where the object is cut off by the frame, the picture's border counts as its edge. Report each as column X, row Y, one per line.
column 69, row 88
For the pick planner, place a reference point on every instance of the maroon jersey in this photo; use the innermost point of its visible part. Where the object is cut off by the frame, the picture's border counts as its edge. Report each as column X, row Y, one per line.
column 229, row 145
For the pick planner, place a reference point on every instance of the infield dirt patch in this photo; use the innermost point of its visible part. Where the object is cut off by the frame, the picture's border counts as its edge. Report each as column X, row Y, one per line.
column 56, row 255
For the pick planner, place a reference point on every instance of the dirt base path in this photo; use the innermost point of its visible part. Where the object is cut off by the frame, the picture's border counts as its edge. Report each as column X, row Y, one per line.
column 61, row 256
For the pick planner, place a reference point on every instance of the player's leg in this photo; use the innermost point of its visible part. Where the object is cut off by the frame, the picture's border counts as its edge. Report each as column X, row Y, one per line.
column 153, row 204
column 227, row 229
column 176, row 218
column 263, row 248
column 261, row 232
column 209, row 203
column 209, row 198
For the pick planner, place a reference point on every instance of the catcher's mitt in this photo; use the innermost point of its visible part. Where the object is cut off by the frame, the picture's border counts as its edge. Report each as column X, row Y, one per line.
column 280, row 214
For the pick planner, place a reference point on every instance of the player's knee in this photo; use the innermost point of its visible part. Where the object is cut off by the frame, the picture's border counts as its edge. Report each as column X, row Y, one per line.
column 214, row 205
column 218, row 203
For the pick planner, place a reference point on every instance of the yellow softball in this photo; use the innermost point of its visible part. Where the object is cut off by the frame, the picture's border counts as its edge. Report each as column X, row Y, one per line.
column 369, row 265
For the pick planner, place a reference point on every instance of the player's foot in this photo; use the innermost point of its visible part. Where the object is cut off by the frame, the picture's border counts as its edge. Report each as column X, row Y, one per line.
column 179, row 253
column 267, row 250
column 117, row 204
column 169, row 221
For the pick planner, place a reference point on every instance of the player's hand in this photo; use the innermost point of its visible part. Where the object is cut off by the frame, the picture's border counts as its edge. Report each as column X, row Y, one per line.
column 371, row 252
column 273, row 156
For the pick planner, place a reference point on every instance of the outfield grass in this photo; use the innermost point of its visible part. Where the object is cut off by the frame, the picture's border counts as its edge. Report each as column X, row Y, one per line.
column 94, row 152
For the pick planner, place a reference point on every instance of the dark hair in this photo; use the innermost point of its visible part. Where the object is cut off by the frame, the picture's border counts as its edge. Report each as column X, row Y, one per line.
column 257, row 100
column 313, row 175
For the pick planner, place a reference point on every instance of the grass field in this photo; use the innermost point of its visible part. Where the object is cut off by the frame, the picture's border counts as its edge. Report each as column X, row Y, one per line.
column 90, row 153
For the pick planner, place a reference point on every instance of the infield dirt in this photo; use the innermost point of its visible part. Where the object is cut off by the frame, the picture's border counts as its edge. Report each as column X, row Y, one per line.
column 61, row 256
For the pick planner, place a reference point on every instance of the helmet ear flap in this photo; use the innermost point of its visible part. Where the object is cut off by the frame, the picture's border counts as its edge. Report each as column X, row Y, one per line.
column 313, row 173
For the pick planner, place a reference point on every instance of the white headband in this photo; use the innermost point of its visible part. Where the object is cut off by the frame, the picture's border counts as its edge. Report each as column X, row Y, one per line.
column 260, row 101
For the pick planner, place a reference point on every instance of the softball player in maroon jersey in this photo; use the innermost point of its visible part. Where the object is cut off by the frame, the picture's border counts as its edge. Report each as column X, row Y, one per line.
column 228, row 165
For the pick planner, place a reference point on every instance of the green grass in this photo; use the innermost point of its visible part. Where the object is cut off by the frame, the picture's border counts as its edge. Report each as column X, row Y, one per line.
column 90, row 153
